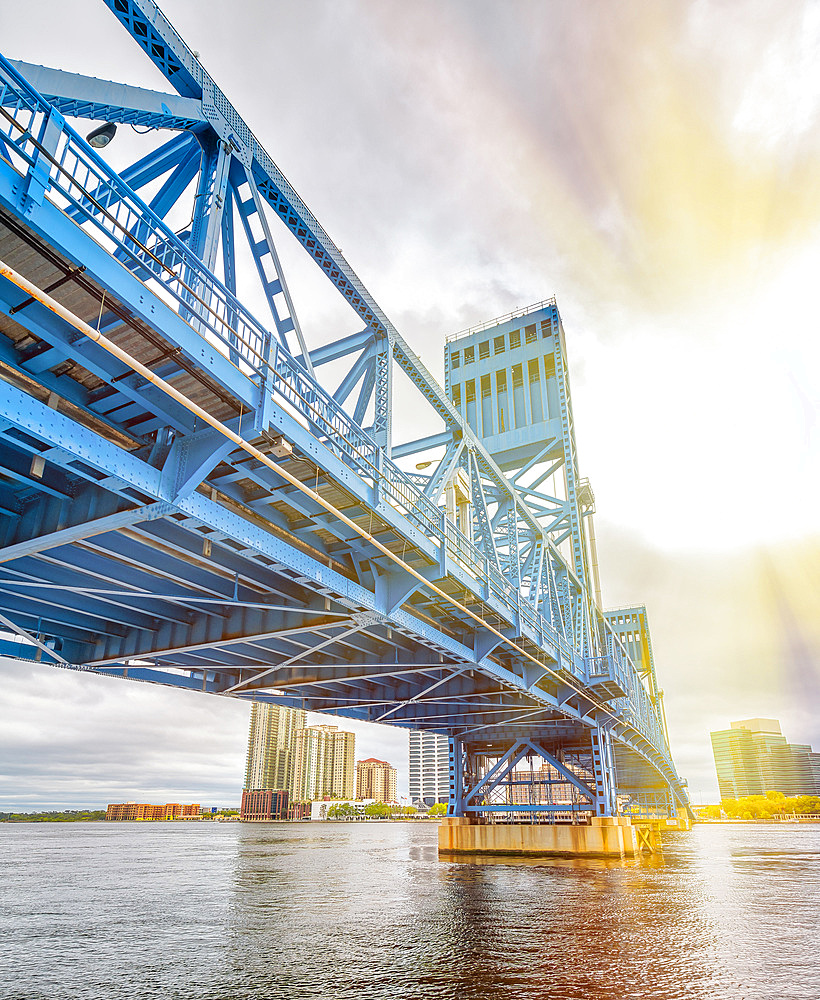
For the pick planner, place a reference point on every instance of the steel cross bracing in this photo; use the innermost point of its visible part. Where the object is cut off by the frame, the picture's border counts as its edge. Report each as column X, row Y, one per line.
column 193, row 496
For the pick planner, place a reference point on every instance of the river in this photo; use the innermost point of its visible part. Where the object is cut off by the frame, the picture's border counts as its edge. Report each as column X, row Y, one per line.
column 207, row 911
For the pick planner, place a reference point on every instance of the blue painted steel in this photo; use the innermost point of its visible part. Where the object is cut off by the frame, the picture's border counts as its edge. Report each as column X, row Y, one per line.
column 453, row 597
column 79, row 96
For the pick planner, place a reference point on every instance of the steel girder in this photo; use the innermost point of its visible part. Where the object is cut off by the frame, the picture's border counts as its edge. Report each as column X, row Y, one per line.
column 152, row 555
column 375, row 387
column 225, row 646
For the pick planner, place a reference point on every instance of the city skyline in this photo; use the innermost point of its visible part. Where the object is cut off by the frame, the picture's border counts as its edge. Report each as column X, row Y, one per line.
column 231, row 722
column 663, row 275
column 752, row 757
column 306, row 762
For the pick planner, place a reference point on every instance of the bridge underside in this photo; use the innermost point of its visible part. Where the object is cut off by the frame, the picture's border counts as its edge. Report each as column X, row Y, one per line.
column 234, row 584
column 138, row 541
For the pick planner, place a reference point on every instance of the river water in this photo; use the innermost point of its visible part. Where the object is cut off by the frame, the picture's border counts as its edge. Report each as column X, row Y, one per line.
column 211, row 911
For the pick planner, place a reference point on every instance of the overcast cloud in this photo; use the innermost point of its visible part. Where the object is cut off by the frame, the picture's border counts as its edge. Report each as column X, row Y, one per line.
column 654, row 165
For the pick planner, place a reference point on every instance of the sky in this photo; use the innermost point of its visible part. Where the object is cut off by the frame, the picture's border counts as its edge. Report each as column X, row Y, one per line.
column 654, row 166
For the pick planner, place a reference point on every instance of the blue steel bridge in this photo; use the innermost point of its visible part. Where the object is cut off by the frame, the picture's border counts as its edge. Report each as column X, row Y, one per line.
column 191, row 495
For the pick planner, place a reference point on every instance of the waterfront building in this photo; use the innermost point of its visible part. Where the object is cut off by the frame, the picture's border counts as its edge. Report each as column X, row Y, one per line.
column 324, row 764
column 146, row 811
column 752, row 757
column 736, row 763
column 375, row 780
column 271, row 747
column 263, row 804
column 429, row 768
column 814, row 763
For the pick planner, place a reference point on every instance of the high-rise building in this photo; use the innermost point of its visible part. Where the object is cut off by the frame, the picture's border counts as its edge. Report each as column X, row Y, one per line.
column 738, row 770
column 324, row 764
column 752, row 757
column 814, row 762
column 375, row 779
column 271, row 746
column 429, row 768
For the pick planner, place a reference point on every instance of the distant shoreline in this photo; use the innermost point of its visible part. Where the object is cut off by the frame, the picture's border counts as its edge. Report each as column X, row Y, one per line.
column 762, row 822
column 90, row 817
column 41, row 818
column 206, row 819
column 54, row 816
column 96, row 816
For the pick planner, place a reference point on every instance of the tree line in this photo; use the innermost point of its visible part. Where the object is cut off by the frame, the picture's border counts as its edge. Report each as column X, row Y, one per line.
column 380, row 810
column 66, row 816
column 772, row 805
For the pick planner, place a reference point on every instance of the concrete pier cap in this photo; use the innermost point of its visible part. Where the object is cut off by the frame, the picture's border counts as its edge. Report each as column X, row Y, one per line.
column 604, row 836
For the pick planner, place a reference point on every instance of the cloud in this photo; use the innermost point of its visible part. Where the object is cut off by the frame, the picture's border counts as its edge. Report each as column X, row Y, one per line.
column 71, row 739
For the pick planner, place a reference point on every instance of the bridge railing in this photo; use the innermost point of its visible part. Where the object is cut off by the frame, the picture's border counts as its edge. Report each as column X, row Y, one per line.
column 37, row 142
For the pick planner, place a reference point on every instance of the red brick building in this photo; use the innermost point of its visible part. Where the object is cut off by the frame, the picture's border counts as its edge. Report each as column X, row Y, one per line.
column 263, row 804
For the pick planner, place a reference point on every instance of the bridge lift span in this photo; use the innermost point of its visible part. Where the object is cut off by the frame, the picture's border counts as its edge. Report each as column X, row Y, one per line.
column 190, row 495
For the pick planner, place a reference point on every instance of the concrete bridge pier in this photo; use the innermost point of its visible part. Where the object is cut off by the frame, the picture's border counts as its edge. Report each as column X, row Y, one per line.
column 603, row 836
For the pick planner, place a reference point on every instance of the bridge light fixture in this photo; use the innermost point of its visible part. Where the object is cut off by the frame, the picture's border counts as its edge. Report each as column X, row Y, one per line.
column 101, row 136
column 281, row 448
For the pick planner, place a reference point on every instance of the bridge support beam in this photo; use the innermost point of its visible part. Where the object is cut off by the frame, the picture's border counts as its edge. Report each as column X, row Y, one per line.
column 485, row 782
column 603, row 767
column 455, row 806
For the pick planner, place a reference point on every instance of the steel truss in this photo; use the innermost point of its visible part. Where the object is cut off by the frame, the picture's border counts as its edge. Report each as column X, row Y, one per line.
column 191, row 495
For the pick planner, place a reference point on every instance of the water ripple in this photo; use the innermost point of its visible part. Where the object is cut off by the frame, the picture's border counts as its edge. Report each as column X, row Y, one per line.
column 223, row 911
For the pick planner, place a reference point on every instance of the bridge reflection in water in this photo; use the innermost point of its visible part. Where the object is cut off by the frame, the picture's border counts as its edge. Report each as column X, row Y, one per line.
column 195, row 497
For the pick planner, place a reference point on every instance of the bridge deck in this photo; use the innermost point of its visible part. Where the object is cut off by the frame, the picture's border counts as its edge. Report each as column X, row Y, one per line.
column 116, row 595
column 291, row 561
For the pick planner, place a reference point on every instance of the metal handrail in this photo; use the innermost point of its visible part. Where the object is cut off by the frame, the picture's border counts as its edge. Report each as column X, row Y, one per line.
column 97, row 195
column 515, row 314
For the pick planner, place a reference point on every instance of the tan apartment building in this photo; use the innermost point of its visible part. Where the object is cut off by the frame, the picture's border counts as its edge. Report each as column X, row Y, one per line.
column 375, row 779
column 324, row 764
column 145, row 811
column 272, row 747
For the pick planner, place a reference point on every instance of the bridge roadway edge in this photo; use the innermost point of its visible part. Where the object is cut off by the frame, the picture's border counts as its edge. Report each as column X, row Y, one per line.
column 56, row 430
